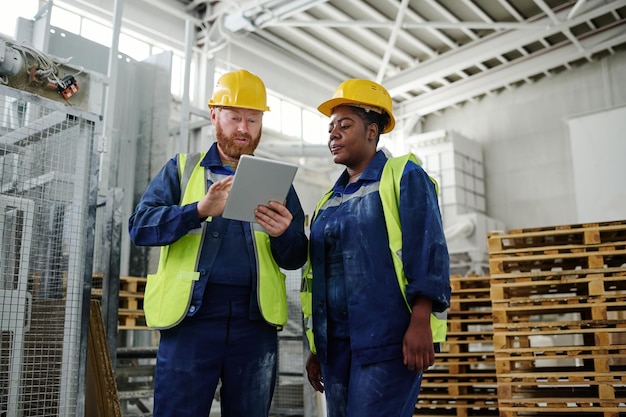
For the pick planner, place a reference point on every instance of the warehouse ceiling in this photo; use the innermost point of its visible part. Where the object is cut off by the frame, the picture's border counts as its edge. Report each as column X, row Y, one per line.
column 430, row 54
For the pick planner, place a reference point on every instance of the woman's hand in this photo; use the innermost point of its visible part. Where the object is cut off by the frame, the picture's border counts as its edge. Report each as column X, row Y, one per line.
column 417, row 344
column 314, row 373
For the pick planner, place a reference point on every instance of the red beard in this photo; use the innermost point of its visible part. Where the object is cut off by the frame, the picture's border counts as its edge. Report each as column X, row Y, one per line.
column 231, row 147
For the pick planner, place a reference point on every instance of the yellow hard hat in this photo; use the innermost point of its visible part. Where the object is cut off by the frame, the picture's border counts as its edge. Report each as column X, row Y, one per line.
column 361, row 93
column 241, row 89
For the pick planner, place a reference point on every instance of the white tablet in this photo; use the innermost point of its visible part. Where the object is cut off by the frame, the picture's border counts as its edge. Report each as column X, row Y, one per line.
column 257, row 181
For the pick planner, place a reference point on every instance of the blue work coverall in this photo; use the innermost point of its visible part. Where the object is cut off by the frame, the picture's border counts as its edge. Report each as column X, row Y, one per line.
column 224, row 336
column 359, row 314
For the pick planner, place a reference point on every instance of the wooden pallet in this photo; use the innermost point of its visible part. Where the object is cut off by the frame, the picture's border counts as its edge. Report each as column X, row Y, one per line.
column 596, row 361
column 461, row 284
column 549, row 408
column 439, row 373
column 565, row 259
column 583, row 282
column 463, row 381
column 96, row 281
column 587, row 308
column 131, row 320
column 561, row 393
column 130, row 314
column 558, row 376
column 581, row 352
column 563, row 235
column 467, row 337
column 131, row 293
column 441, row 376
column 559, row 248
column 570, row 404
column 470, row 307
column 462, row 407
column 469, row 360
column 557, row 275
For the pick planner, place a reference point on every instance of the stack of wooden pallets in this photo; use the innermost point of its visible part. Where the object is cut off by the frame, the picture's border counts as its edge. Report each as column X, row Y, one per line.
column 463, row 381
column 559, row 300
column 130, row 311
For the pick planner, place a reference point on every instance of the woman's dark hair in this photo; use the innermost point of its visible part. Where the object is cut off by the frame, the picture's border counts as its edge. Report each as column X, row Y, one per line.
column 369, row 117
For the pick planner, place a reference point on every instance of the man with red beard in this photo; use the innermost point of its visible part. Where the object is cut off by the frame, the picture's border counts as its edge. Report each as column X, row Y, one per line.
column 218, row 297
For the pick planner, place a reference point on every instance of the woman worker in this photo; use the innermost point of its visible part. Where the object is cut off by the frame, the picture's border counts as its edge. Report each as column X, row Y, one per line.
column 378, row 268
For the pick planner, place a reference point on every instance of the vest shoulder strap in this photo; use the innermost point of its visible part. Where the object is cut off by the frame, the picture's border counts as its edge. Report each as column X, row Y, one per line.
column 186, row 165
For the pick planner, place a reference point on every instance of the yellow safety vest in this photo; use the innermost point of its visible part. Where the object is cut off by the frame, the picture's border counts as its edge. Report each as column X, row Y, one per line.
column 168, row 292
column 389, row 191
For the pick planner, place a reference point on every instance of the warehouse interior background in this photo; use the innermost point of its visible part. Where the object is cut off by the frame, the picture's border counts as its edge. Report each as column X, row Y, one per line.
column 516, row 107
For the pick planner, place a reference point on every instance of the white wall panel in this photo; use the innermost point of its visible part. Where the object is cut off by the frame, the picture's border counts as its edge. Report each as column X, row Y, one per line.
column 527, row 151
column 598, row 143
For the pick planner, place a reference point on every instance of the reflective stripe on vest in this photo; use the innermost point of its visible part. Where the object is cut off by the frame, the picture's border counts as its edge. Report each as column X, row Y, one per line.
column 167, row 301
column 389, row 191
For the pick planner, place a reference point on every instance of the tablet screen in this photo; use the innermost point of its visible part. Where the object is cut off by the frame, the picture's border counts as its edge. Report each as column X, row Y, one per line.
column 257, row 181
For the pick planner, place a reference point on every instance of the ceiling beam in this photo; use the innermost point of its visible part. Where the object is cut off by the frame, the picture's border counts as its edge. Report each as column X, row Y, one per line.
column 284, row 12
column 374, row 40
column 392, row 40
column 579, row 4
column 254, row 16
column 301, row 78
column 482, row 50
column 353, row 53
column 509, row 73
column 370, row 24
column 169, row 9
